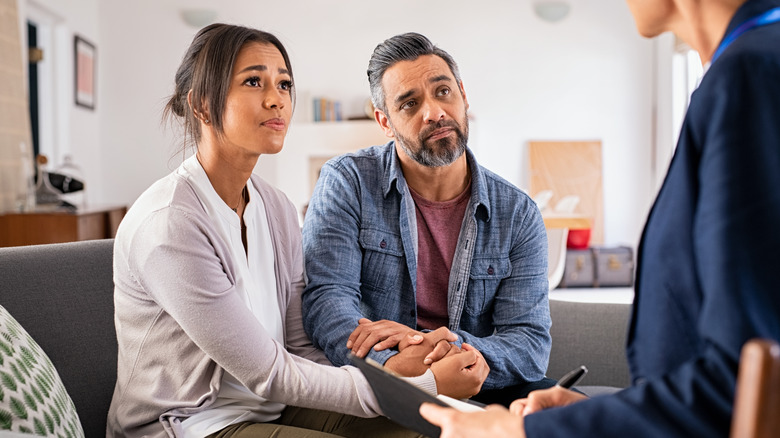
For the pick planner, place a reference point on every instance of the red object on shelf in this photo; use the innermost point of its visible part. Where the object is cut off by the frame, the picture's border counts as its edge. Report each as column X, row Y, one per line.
column 578, row 239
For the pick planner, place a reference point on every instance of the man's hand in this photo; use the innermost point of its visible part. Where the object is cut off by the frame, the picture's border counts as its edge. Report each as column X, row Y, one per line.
column 461, row 375
column 415, row 355
column 380, row 335
column 386, row 334
column 438, row 342
column 495, row 421
column 543, row 399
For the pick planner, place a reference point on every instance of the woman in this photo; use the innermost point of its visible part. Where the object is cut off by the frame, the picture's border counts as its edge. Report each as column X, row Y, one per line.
column 707, row 278
column 208, row 271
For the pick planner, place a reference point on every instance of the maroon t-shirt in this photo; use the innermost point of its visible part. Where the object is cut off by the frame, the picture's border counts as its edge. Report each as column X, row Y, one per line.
column 438, row 228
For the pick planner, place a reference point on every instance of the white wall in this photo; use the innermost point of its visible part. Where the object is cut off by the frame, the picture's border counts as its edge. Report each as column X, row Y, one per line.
column 67, row 129
column 587, row 77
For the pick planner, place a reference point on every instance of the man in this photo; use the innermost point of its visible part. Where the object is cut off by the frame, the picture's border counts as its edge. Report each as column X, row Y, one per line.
column 414, row 236
column 707, row 277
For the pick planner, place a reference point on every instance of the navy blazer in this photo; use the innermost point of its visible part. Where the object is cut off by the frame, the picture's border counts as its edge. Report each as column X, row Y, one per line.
column 707, row 276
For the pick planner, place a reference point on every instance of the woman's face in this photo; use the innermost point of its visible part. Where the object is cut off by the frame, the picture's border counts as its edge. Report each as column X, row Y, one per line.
column 258, row 106
column 651, row 16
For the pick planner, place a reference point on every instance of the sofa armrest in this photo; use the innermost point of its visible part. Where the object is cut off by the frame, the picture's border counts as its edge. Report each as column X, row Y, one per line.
column 63, row 296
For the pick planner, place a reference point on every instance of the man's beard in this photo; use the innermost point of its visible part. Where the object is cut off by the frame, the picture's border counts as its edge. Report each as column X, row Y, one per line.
column 436, row 153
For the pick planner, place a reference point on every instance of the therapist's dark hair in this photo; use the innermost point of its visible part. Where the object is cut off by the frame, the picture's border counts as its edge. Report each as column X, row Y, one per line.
column 207, row 68
column 405, row 47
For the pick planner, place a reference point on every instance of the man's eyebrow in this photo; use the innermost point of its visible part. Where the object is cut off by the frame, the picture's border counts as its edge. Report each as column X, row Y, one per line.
column 405, row 96
column 408, row 94
column 440, row 78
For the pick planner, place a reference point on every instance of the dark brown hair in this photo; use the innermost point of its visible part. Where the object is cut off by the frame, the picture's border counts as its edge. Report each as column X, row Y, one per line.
column 206, row 69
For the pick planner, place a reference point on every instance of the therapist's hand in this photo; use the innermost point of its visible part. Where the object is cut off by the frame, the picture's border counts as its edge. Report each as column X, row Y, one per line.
column 495, row 421
column 544, row 399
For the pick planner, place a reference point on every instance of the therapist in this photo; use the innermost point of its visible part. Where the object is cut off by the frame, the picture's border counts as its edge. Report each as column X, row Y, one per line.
column 706, row 279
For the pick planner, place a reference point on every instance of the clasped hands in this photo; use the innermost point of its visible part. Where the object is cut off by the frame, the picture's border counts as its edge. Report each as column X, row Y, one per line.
column 459, row 372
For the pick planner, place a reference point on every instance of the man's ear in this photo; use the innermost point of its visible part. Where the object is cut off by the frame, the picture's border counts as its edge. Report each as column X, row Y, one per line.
column 463, row 93
column 384, row 123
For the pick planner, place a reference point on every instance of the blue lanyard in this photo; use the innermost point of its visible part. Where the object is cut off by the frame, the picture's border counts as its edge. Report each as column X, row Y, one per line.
column 768, row 17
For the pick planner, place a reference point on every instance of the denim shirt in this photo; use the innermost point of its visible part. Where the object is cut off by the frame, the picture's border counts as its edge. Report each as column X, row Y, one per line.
column 360, row 249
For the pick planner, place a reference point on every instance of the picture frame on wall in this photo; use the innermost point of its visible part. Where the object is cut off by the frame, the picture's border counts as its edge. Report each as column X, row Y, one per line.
column 84, row 62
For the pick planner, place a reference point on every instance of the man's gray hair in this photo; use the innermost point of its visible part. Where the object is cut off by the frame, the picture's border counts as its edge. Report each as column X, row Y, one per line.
column 404, row 47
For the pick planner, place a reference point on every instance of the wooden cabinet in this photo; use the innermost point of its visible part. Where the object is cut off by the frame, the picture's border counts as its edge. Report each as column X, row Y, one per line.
column 39, row 227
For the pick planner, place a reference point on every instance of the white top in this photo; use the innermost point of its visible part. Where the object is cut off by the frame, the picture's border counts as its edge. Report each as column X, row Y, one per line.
column 256, row 282
column 182, row 321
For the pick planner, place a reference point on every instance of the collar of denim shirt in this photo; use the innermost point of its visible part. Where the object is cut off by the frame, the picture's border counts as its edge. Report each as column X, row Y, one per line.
column 479, row 195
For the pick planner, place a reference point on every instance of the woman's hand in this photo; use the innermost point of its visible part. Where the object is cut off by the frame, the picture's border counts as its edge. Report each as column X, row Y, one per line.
column 494, row 421
column 544, row 399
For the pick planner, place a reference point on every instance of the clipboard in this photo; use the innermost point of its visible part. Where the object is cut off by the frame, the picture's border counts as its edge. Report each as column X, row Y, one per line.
column 400, row 400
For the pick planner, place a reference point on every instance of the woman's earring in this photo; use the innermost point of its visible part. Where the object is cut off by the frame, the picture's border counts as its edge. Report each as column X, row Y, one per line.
column 206, row 121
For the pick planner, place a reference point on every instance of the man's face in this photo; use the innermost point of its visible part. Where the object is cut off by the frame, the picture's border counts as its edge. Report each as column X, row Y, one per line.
column 426, row 111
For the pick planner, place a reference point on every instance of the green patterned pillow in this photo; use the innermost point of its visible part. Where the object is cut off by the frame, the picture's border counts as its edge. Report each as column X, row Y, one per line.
column 33, row 399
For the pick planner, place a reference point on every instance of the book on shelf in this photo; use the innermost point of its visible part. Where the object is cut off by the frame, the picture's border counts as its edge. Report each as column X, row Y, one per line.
column 327, row 110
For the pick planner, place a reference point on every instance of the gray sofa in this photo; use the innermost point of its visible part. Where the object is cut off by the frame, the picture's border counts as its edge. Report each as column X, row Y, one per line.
column 62, row 294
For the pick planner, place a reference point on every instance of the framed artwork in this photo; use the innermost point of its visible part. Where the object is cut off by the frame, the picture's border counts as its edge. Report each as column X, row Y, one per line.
column 84, row 61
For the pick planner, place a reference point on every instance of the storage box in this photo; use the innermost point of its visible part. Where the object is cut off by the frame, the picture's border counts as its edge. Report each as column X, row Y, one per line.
column 614, row 266
column 599, row 267
column 579, row 270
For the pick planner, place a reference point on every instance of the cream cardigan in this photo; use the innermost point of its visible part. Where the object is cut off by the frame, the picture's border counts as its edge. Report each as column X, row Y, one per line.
column 180, row 322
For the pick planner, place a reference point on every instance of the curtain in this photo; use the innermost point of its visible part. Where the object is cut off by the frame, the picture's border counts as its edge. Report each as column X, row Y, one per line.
column 16, row 156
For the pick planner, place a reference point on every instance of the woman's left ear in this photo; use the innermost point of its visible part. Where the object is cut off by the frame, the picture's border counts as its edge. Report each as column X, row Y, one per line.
column 203, row 117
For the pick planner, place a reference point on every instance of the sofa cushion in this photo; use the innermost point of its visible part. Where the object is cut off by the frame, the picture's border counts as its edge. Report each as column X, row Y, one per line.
column 590, row 334
column 32, row 396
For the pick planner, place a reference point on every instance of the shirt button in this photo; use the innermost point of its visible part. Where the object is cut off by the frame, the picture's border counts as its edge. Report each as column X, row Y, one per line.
column 383, row 244
column 490, row 270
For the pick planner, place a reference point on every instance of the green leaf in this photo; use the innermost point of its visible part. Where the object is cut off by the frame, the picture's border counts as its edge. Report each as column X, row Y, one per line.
column 6, row 420
column 40, row 428
column 18, row 374
column 18, row 408
column 44, row 387
column 49, row 422
column 7, row 337
column 57, row 418
column 7, row 349
column 7, row 380
column 29, row 400
column 36, row 393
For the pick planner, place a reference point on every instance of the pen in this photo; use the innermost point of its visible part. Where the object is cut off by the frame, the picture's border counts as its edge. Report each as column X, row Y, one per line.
column 572, row 377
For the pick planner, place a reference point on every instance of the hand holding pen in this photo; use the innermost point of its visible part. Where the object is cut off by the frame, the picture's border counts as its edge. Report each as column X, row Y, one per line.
column 572, row 377
column 559, row 395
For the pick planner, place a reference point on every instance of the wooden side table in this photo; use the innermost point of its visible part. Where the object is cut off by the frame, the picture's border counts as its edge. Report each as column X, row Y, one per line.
column 39, row 227
column 570, row 221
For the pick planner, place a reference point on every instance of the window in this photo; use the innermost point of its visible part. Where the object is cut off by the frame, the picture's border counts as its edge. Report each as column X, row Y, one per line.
column 686, row 74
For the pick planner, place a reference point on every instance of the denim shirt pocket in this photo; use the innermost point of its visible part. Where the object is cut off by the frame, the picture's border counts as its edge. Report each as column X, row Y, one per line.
column 383, row 263
column 485, row 276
